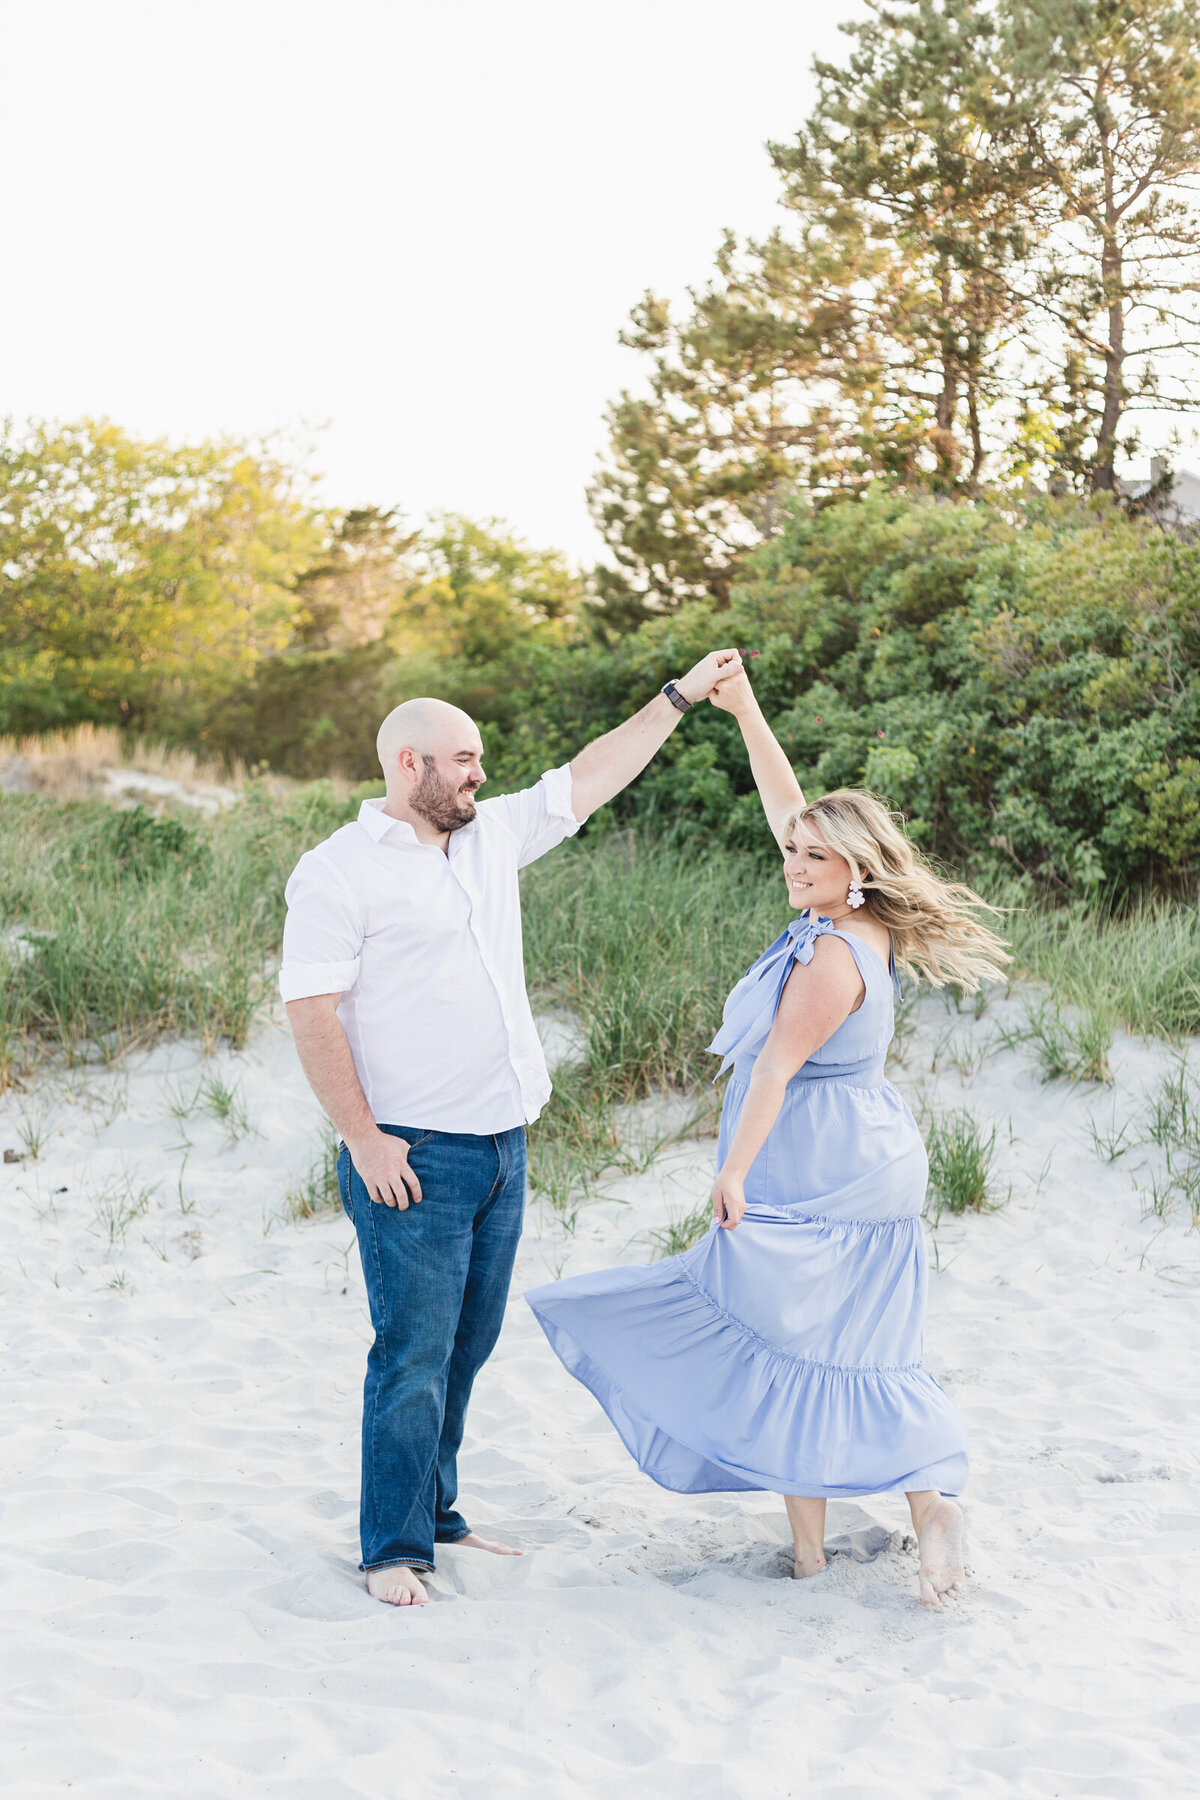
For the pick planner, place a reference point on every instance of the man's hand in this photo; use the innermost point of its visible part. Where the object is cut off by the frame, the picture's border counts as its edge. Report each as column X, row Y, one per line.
column 604, row 767
column 710, row 674
column 383, row 1165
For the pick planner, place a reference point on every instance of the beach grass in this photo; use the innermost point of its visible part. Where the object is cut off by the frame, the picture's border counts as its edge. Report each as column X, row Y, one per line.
column 680, row 1234
column 1172, row 1122
column 315, row 1194
column 120, row 925
column 642, row 942
column 962, row 1159
column 73, row 764
column 1066, row 1046
column 1139, row 965
column 574, row 1141
column 116, row 1204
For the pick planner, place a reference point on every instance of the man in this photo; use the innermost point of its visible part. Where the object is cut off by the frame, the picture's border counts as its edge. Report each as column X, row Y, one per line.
column 405, row 990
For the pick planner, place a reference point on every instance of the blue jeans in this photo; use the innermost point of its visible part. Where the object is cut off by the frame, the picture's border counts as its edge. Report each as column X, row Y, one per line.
column 437, row 1280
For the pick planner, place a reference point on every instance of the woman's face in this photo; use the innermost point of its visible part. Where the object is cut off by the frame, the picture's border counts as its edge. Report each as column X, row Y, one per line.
column 817, row 876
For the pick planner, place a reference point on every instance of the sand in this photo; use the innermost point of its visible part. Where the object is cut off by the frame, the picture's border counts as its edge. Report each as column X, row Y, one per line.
column 182, row 1612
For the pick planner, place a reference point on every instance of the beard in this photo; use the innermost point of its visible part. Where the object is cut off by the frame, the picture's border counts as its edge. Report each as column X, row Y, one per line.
column 446, row 805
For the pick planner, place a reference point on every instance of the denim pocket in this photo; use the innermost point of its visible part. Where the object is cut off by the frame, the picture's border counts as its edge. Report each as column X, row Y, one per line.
column 343, row 1181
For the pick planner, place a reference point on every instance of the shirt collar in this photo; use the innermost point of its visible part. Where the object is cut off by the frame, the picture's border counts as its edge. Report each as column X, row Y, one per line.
column 374, row 820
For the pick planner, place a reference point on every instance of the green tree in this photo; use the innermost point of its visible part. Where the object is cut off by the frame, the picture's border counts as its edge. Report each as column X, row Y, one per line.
column 463, row 610
column 907, row 147
column 141, row 579
column 480, row 593
column 866, row 337
column 349, row 597
column 1103, row 117
column 990, row 260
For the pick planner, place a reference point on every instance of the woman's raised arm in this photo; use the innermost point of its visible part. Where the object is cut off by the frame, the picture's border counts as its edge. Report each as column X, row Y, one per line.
column 774, row 776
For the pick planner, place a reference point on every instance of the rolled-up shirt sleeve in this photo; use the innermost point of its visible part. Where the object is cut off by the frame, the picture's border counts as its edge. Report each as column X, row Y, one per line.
column 539, row 817
column 322, row 935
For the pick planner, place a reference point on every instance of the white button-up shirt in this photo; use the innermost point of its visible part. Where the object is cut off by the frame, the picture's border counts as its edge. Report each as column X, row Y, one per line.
column 424, row 946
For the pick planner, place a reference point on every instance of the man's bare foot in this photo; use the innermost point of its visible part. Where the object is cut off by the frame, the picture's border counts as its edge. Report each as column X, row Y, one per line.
column 473, row 1541
column 808, row 1562
column 939, row 1544
column 397, row 1585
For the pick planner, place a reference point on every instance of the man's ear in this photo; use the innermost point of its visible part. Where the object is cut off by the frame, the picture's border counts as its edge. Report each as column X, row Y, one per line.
column 410, row 766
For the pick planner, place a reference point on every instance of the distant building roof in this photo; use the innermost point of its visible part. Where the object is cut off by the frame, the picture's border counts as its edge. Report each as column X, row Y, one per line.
column 1179, row 503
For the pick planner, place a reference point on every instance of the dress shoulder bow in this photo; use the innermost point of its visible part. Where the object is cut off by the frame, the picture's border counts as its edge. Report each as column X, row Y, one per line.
column 751, row 1007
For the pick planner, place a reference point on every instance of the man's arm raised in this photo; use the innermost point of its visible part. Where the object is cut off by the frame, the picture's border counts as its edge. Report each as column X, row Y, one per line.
column 611, row 762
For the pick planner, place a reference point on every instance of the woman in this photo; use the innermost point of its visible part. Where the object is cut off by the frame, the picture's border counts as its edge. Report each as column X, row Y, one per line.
column 784, row 1351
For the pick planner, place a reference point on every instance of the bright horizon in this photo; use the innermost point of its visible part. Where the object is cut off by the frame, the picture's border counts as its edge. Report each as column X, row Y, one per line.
column 420, row 233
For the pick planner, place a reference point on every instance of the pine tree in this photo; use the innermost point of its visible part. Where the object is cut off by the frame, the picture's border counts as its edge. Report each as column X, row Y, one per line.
column 911, row 138
column 869, row 337
column 1104, row 121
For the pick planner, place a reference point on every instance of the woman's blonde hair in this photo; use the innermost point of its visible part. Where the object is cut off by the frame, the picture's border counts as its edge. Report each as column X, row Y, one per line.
column 935, row 925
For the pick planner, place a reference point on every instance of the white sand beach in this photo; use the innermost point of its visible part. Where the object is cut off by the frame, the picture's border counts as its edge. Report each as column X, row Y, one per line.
column 182, row 1611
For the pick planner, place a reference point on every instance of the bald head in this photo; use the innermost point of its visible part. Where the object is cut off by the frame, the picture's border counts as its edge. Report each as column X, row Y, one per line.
column 430, row 727
column 431, row 755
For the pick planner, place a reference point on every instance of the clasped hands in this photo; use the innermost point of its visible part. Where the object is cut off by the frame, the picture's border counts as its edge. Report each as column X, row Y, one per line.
column 721, row 678
column 713, row 678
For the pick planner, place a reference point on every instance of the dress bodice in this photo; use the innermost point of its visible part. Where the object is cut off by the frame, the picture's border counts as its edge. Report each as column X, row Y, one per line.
column 859, row 1045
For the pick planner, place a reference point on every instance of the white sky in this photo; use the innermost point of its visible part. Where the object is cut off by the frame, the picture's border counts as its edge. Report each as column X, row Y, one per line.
column 418, row 226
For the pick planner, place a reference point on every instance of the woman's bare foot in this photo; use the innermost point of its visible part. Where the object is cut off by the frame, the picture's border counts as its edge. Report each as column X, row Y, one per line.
column 939, row 1544
column 810, row 1563
column 397, row 1585
column 807, row 1520
column 473, row 1541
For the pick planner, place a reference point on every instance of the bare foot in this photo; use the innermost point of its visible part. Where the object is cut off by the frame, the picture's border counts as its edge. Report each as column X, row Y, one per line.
column 806, row 1516
column 397, row 1585
column 939, row 1543
column 475, row 1542
column 808, row 1562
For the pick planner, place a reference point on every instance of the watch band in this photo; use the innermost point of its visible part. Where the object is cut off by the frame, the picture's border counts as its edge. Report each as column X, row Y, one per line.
column 675, row 697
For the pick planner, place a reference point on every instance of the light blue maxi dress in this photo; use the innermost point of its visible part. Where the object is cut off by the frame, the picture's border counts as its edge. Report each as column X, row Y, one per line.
column 785, row 1354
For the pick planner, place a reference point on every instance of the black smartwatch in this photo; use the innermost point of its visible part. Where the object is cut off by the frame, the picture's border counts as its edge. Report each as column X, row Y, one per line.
column 675, row 697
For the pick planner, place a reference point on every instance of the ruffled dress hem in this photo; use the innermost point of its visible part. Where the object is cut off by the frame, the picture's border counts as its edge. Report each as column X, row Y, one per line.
column 771, row 1421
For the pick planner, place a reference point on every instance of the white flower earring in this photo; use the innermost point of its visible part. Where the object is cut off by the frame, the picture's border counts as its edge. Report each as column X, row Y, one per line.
column 856, row 896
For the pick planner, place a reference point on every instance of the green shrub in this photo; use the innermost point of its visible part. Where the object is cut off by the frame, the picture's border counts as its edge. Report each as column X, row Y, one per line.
column 144, row 843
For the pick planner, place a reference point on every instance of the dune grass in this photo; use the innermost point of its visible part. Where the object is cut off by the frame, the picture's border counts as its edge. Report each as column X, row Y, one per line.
column 643, row 942
column 574, row 1142
column 119, row 926
column 961, row 1164
column 1066, row 1048
column 683, row 1231
column 1172, row 1122
column 73, row 764
column 315, row 1194
column 1139, row 965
